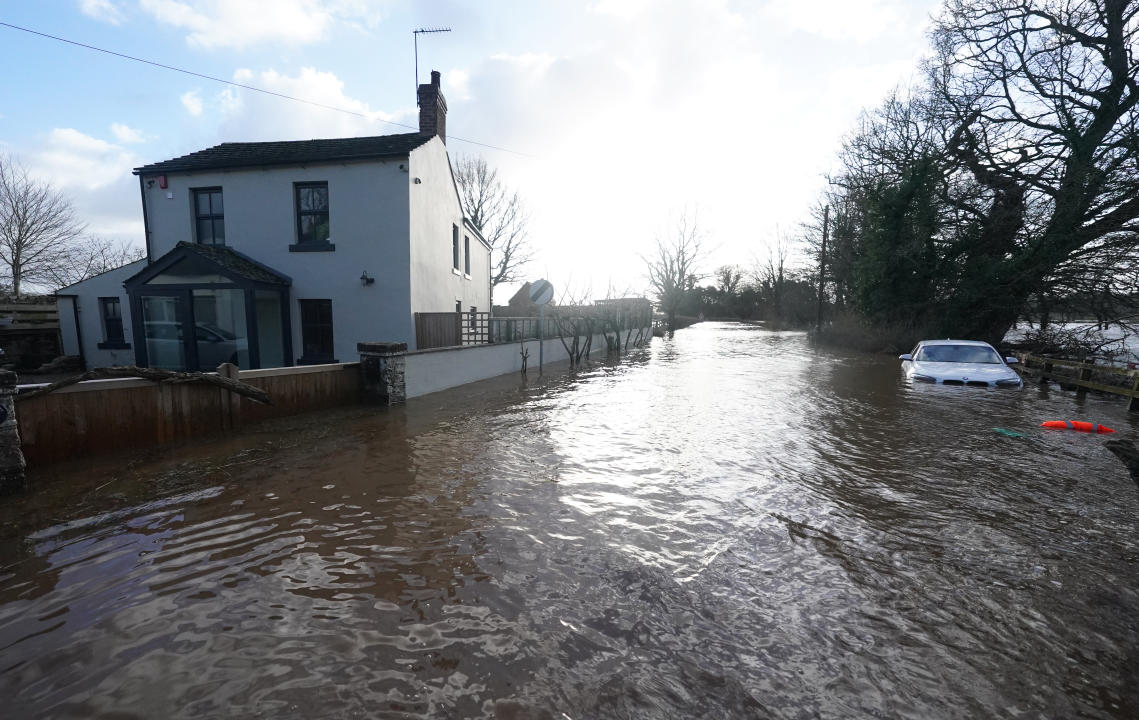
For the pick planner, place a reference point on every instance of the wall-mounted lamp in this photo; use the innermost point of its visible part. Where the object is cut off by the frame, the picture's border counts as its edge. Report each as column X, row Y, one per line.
column 365, row 279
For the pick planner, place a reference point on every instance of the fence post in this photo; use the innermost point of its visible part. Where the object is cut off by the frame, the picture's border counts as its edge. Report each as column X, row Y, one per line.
column 12, row 463
column 382, row 365
column 1133, row 403
column 1084, row 376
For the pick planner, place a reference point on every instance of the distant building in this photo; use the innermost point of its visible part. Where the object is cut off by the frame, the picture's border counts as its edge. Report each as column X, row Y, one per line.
column 278, row 253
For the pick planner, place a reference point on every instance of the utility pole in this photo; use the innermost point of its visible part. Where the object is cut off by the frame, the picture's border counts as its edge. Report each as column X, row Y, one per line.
column 415, row 35
column 823, row 267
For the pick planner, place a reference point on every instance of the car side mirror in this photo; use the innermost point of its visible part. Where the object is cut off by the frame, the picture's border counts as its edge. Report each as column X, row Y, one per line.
column 907, row 356
column 1011, row 360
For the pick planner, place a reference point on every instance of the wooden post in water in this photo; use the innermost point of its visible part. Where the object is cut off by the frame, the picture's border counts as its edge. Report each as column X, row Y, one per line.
column 12, row 463
column 230, row 403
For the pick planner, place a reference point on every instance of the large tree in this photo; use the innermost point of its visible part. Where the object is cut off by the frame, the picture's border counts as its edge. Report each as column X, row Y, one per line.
column 500, row 215
column 1010, row 177
column 39, row 229
column 1038, row 98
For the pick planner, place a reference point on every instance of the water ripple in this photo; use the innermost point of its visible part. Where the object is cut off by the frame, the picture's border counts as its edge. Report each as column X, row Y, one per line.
column 730, row 523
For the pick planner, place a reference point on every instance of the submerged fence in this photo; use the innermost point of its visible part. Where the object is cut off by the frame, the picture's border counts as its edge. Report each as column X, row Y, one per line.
column 101, row 416
column 1086, row 376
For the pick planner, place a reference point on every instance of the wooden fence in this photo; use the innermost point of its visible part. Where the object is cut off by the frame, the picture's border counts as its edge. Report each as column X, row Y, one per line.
column 101, row 416
column 438, row 329
column 26, row 315
column 451, row 329
column 1083, row 375
column 29, row 331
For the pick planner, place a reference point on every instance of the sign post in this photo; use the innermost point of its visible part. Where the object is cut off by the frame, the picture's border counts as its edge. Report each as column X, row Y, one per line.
column 541, row 292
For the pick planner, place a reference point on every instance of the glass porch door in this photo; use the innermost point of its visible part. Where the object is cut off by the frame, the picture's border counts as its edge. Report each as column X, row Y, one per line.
column 162, row 317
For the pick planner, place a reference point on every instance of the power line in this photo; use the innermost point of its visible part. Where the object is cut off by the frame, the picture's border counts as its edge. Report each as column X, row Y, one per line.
column 246, row 87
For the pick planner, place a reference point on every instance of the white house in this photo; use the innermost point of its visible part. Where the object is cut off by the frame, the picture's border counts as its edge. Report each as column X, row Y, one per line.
column 279, row 253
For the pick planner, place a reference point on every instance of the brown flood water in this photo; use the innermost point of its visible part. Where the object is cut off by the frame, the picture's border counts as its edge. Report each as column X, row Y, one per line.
column 727, row 524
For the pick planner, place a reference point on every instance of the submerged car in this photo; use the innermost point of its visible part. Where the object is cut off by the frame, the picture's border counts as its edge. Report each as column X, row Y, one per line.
column 959, row 362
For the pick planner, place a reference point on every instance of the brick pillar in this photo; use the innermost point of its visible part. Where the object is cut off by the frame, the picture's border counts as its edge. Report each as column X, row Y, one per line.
column 382, row 369
column 11, row 457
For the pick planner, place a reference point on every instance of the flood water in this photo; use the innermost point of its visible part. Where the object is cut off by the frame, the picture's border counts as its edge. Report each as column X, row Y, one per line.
column 730, row 523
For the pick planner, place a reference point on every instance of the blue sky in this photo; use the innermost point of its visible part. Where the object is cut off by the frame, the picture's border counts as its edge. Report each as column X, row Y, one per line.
column 622, row 113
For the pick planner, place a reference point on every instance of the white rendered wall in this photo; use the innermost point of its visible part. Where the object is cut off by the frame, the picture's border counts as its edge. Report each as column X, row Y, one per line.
column 368, row 221
column 435, row 209
column 65, row 306
column 88, row 292
column 429, row 371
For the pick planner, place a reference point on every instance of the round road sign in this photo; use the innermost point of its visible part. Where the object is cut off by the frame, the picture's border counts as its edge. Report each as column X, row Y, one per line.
column 541, row 292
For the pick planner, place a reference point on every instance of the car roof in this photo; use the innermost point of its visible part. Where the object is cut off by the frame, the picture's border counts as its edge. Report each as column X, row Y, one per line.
column 955, row 342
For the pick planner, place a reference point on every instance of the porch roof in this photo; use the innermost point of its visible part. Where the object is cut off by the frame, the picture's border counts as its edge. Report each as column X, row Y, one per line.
column 228, row 261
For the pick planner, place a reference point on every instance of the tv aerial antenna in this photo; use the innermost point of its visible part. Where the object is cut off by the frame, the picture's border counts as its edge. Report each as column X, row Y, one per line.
column 415, row 34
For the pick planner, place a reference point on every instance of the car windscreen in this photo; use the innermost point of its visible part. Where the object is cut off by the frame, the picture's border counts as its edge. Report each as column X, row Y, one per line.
column 958, row 354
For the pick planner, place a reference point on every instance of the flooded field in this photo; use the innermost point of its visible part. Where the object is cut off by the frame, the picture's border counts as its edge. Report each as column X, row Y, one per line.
column 729, row 524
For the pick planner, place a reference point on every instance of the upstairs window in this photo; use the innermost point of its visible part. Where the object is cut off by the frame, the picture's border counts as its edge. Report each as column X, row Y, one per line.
column 112, row 313
column 209, row 216
column 312, row 213
column 467, row 255
column 455, row 246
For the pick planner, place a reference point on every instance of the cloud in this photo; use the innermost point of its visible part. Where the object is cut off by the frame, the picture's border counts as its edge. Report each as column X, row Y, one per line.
column 624, row 9
column 533, row 63
column 859, row 20
column 458, row 84
column 102, row 10
column 250, row 116
column 71, row 159
column 192, row 101
column 212, row 24
column 126, row 134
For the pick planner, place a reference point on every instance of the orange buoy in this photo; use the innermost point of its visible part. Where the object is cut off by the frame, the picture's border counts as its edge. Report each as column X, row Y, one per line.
column 1077, row 425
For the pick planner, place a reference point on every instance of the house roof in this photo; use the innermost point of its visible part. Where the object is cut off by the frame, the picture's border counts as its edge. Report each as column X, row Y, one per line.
column 125, row 266
column 225, row 258
column 290, row 152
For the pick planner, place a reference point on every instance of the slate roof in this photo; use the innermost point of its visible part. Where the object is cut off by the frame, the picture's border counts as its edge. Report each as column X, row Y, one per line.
column 290, row 152
column 228, row 259
column 237, row 263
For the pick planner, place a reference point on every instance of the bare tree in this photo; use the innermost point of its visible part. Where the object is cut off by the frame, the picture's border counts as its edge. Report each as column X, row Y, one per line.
column 38, row 227
column 500, row 215
column 574, row 319
column 672, row 269
column 90, row 256
column 771, row 274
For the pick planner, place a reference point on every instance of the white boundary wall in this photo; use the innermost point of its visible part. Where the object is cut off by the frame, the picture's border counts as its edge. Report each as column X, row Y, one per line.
column 429, row 371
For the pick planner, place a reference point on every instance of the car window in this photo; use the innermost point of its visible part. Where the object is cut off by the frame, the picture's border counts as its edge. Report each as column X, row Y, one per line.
column 958, row 354
column 163, row 331
column 216, row 332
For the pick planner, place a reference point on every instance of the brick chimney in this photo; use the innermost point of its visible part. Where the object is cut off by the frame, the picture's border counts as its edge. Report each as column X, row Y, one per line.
column 433, row 109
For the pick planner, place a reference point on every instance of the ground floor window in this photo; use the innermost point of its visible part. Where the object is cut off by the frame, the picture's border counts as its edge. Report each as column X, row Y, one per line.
column 112, row 313
column 316, row 332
